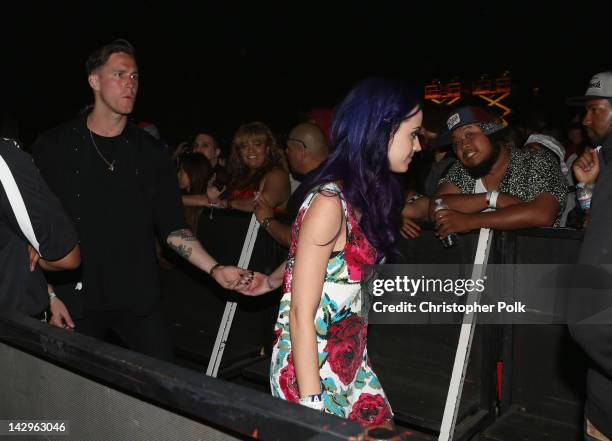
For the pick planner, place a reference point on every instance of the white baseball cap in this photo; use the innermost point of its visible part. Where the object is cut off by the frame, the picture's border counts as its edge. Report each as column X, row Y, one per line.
column 600, row 86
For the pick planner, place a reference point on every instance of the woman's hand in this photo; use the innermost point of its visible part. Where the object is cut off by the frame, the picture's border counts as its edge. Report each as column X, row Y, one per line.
column 213, row 192
column 263, row 210
column 260, row 284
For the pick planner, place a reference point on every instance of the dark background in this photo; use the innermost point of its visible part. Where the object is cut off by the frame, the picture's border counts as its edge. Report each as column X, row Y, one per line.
column 221, row 64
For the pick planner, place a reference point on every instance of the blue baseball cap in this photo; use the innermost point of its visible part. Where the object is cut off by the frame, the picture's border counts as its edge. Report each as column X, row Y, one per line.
column 466, row 115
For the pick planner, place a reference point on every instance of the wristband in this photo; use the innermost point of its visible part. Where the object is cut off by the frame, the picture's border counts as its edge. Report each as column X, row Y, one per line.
column 213, row 268
column 492, row 198
column 52, row 295
column 312, row 401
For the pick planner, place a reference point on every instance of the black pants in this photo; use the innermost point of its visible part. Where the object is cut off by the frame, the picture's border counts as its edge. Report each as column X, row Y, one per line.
column 146, row 334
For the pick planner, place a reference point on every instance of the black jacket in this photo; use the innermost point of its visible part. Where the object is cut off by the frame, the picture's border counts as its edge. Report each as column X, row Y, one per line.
column 116, row 213
column 595, row 304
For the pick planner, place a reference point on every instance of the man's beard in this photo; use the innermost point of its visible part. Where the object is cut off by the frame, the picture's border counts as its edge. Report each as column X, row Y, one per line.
column 482, row 169
column 593, row 137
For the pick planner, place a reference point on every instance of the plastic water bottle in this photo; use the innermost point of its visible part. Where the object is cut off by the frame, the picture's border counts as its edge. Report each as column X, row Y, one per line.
column 584, row 193
column 450, row 240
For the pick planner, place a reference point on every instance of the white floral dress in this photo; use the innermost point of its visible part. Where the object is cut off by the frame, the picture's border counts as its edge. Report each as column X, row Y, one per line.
column 350, row 387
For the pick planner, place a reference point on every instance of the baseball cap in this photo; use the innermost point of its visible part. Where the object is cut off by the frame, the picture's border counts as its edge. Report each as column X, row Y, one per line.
column 463, row 116
column 600, row 86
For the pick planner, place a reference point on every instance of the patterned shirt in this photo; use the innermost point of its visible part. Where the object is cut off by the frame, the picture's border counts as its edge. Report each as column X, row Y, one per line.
column 529, row 174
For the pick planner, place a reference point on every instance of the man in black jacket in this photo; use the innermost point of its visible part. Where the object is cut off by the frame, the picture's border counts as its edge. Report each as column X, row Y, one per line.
column 120, row 189
column 593, row 330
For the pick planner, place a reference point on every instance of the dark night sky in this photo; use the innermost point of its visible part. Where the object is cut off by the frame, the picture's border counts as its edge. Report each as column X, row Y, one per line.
column 221, row 65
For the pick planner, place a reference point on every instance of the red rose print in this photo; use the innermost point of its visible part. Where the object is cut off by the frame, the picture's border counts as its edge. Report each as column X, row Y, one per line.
column 345, row 346
column 343, row 358
column 358, row 253
column 349, row 327
column 287, row 278
column 370, row 410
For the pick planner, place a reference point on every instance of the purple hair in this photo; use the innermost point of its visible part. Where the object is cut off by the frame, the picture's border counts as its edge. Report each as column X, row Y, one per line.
column 362, row 129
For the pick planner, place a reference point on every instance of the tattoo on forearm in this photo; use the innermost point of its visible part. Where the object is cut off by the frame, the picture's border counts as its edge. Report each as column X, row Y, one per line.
column 184, row 234
column 175, row 240
column 181, row 250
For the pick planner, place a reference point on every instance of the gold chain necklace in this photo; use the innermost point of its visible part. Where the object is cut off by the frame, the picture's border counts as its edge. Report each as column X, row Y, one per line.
column 111, row 165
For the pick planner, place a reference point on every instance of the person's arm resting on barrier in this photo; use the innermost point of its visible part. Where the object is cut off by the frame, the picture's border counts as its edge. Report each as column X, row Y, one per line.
column 265, row 216
column 195, row 200
column 468, row 203
column 541, row 212
column 275, row 189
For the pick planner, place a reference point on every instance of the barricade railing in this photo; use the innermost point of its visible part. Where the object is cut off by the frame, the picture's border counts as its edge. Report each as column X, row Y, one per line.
column 543, row 377
column 106, row 392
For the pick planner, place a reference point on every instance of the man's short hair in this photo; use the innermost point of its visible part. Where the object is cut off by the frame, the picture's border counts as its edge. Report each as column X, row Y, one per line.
column 100, row 56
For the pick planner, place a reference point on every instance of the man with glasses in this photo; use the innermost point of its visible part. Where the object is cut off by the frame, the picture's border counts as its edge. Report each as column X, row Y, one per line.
column 494, row 185
column 306, row 150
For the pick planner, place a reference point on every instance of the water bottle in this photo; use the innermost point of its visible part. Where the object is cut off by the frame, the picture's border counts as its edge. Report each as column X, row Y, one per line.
column 451, row 239
column 584, row 193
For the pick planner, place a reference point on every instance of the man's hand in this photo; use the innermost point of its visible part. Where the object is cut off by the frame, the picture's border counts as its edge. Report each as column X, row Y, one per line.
column 60, row 316
column 33, row 257
column 232, row 277
column 451, row 221
column 586, row 167
column 409, row 229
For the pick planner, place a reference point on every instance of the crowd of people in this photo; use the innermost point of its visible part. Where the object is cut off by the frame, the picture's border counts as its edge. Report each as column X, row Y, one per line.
column 101, row 191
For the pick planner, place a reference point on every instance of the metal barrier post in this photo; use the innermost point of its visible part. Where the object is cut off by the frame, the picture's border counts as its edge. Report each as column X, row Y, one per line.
column 453, row 399
column 230, row 307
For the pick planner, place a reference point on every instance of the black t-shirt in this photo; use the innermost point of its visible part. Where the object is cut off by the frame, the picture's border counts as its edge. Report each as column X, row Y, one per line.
column 22, row 290
column 117, row 213
column 297, row 197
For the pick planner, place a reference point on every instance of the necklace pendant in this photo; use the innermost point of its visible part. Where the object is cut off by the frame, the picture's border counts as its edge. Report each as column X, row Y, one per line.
column 111, row 167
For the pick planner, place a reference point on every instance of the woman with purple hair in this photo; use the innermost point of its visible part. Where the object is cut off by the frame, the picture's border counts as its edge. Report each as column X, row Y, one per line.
column 350, row 218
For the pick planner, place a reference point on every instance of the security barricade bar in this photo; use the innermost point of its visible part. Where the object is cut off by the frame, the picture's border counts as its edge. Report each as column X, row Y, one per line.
column 107, row 392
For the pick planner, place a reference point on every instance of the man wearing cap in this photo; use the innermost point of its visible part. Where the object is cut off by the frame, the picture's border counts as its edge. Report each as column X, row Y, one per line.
column 492, row 185
column 594, row 169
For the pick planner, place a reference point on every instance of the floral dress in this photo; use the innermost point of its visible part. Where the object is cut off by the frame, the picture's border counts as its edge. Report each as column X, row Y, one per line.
column 350, row 388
